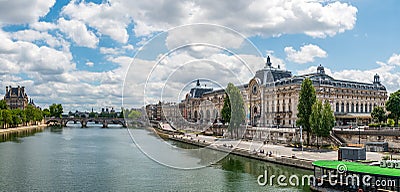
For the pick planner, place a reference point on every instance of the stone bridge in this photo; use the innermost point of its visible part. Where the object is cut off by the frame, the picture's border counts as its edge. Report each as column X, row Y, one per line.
column 98, row 120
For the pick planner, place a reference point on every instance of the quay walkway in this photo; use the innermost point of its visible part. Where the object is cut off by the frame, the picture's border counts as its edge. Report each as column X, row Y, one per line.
column 271, row 153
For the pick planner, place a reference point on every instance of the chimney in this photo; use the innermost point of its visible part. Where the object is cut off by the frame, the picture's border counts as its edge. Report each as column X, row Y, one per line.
column 6, row 89
column 19, row 89
column 23, row 90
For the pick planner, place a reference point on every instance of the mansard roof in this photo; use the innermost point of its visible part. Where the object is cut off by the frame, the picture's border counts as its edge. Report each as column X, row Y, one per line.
column 324, row 79
column 13, row 92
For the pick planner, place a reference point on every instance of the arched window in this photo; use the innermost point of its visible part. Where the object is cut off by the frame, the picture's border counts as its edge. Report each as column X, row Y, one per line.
column 347, row 108
column 362, row 108
column 337, row 107
column 342, row 108
column 352, row 107
column 370, row 107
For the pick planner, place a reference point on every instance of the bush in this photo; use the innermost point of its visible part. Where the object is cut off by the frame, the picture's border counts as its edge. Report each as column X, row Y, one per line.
column 373, row 125
column 378, row 125
column 386, row 157
column 390, row 122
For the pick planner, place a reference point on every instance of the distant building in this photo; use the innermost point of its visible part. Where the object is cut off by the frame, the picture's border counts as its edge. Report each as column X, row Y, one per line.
column 16, row 98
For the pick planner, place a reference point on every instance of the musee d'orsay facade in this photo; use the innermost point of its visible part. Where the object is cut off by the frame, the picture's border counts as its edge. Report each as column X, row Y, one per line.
column 272, row 95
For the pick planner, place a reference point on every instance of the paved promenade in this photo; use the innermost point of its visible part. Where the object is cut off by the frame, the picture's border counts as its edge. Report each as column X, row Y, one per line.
column 276, row 150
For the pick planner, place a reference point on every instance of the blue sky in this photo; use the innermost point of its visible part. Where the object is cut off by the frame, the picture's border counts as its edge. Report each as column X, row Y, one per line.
column 77, row 53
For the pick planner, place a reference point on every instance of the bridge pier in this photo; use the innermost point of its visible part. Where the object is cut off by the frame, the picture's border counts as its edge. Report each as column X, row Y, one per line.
column 105, row 124
column 84, row 124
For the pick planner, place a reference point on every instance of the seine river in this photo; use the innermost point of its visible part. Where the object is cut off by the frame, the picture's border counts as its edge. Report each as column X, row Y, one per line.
column 96, row 159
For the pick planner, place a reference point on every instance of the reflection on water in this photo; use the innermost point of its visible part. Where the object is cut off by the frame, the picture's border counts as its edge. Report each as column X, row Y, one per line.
column 236, row 166
column 16, row 136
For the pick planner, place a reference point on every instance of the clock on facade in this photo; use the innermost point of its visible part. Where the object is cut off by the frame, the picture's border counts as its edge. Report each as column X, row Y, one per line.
column 255, row 89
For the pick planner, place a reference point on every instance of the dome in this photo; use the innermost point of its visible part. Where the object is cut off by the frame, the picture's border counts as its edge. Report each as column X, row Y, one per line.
column 320, row 69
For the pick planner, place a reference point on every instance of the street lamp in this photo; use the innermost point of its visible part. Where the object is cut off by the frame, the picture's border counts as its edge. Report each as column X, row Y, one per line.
column 359, row 135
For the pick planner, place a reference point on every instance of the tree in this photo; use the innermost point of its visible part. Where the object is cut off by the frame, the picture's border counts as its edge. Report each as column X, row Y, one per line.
column 316, row 118
column 378, row 114
column 233, row 110
column 6, row 117
column 16, row 117
column 46, row 113
column 22, row 115
column 307, row 98
column 226, row 109
column 38, row 115
column 393, row 105
column 93, row 114
column 121, row 115
column 134, row 114
column 3, row 104
column 322, row 119
column 56, row 110
column 328, row 120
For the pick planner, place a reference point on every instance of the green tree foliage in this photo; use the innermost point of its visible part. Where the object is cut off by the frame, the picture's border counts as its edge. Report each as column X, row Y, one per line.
column 56, row 110
column 16, row 116
column 3, row 104
column 46, row 113
column 328, row 120
column 316, row 118
column 390, row 122
column 7, row 118
column 393, row 105
column 236, row 110
column 322, row 119
column 30, row 113
column 134, row 114
column 226, row 109
column 378, row 114
column 93, row 114
column 121, row 115
column 307, row 98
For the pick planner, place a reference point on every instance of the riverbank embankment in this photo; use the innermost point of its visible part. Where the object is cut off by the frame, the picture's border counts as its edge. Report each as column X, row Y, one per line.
column 5, row 134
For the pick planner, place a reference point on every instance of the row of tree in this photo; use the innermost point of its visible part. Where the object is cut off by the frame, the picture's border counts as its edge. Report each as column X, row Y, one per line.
column 315, row 117
column 28, row 116
column 392, row 106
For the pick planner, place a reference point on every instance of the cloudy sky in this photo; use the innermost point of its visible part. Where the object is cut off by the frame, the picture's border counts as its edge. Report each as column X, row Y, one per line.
column 78, row 53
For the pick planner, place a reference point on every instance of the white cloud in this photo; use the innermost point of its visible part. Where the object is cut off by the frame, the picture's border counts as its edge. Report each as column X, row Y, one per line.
column 77, row 31
column 23, row 11
column 43, row 26
column 32, row 36
column 29, row 58
column 264, row 18
column 306, row 54
column 89, row 63
column 394, row 59
column 109, row 18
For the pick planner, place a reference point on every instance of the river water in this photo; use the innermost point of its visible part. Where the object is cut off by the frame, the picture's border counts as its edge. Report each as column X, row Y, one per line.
column 96, row 159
